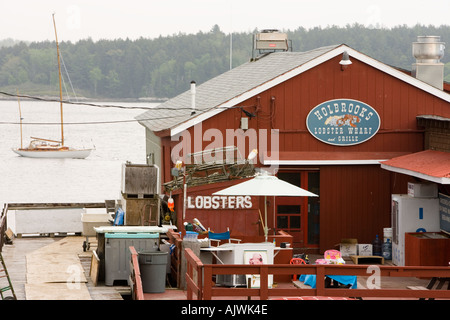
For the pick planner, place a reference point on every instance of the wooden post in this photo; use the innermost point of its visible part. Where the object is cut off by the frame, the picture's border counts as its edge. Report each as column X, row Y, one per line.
column 320, row 280
column 207, row 286
column 193, row 263
column 189, row 275
column 264, row 282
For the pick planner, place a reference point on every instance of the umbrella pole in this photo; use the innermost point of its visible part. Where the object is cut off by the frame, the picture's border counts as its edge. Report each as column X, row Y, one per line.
column 266, row 231
column 261, row 219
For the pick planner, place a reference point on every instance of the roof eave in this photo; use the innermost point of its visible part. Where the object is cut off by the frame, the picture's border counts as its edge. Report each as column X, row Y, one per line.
column 439, row 180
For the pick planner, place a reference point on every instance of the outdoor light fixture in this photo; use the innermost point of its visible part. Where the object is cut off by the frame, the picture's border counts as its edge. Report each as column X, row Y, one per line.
column 345, row 61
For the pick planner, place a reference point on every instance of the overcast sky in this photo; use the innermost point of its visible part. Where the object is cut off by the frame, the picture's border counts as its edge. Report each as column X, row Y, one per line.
column 30, row 20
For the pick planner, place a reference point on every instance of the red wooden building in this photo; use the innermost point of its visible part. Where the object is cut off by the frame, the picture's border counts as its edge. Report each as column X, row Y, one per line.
column 322, row 120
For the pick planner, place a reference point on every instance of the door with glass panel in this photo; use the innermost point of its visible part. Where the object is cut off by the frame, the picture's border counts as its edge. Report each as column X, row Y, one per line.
column 299, row 216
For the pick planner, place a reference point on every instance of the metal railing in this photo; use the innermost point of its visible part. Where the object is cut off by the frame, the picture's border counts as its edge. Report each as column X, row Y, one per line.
column 199, row 278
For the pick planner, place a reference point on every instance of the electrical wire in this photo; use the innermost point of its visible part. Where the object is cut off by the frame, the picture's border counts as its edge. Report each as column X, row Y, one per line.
column 83, row 123
column 68, row 102
column 98, row 106
column 101, row 105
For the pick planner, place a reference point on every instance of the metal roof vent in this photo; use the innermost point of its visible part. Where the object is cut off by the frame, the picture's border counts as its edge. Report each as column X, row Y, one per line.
column 270, row 40
column 428, row 51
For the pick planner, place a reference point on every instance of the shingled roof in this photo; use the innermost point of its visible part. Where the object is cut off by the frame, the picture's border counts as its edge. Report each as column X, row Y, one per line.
column 215, row 93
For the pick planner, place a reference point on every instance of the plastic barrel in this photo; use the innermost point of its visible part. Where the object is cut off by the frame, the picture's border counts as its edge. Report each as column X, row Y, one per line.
column 153, row 271
column 377, row 247
column 387, row 250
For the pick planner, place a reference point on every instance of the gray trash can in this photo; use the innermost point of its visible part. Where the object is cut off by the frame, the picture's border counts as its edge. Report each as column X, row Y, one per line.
column 153, row 271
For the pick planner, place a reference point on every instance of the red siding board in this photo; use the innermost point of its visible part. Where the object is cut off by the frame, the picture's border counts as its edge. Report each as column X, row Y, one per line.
column 358, row 208
column 419, row 102
column 414, row 107
column 389, row 111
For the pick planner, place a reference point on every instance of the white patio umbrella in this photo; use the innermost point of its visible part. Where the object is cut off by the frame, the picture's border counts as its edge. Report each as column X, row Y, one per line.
column 265, row 185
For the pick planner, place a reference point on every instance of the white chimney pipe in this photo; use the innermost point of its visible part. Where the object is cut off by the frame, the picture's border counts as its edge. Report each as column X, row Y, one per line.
column 193, row 97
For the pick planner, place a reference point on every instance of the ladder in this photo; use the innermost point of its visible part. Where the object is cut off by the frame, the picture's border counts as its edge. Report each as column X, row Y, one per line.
column 4, row 274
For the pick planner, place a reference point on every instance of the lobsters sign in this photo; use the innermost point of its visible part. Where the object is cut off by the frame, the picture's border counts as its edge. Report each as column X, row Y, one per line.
column 343, row 122
column 219, row 202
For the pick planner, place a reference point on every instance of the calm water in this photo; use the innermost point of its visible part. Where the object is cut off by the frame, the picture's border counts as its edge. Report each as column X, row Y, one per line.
column 93, row 179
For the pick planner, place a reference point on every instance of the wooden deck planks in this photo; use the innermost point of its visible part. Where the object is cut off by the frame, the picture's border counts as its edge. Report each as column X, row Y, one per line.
column 36, row 276
column 57, row 291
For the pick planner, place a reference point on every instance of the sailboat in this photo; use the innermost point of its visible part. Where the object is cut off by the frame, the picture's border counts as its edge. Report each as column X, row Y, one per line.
column 46, row 148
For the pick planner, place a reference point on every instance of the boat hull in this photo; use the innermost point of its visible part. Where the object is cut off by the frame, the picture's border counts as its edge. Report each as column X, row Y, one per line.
column 71, row 153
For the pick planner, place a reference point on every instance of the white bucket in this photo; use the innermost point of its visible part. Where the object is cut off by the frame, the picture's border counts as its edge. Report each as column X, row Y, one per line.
column 387, row 233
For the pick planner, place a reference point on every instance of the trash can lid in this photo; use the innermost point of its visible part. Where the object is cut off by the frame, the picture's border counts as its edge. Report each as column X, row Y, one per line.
column 152, row 253
column 129, row 235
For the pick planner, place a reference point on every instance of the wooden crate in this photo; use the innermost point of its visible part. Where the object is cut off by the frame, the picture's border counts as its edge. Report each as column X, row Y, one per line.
column 143, row 211
column 138, row 179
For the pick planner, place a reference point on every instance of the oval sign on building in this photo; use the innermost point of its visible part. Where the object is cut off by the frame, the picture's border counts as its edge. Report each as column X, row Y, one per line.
column 343, row 122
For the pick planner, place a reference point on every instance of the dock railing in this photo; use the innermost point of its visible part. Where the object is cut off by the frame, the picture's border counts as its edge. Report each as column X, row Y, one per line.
column 175, row 257
column 3, row 226
column 137, row 291
column 194, row 275
column 205, row 289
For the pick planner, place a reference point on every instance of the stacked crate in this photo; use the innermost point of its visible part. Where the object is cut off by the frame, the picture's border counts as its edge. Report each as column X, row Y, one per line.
column 140, row 194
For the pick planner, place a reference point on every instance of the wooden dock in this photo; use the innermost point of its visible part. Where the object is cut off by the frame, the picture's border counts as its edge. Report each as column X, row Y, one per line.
column 38, row 269
column 54, row 268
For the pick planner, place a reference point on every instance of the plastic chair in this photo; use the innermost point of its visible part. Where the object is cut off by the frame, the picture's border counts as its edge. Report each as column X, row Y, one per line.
column 219, row 236
column 296, row 261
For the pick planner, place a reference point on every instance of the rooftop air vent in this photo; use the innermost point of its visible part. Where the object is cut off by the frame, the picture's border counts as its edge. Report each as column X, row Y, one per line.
column 428, row 51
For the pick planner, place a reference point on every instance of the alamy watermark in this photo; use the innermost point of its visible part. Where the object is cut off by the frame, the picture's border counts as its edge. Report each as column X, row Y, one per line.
column 374, row 280
column 73, row 20
column 73, row 281
column 266, row 142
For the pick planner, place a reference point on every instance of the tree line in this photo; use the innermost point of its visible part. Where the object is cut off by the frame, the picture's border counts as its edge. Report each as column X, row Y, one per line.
column 163, row 67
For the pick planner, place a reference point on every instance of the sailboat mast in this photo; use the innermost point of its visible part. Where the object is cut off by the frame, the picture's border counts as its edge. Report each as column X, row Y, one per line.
column 60, row 83
column 20, row 118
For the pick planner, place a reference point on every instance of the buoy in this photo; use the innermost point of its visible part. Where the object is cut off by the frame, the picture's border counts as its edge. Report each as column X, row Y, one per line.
column 170, row 204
